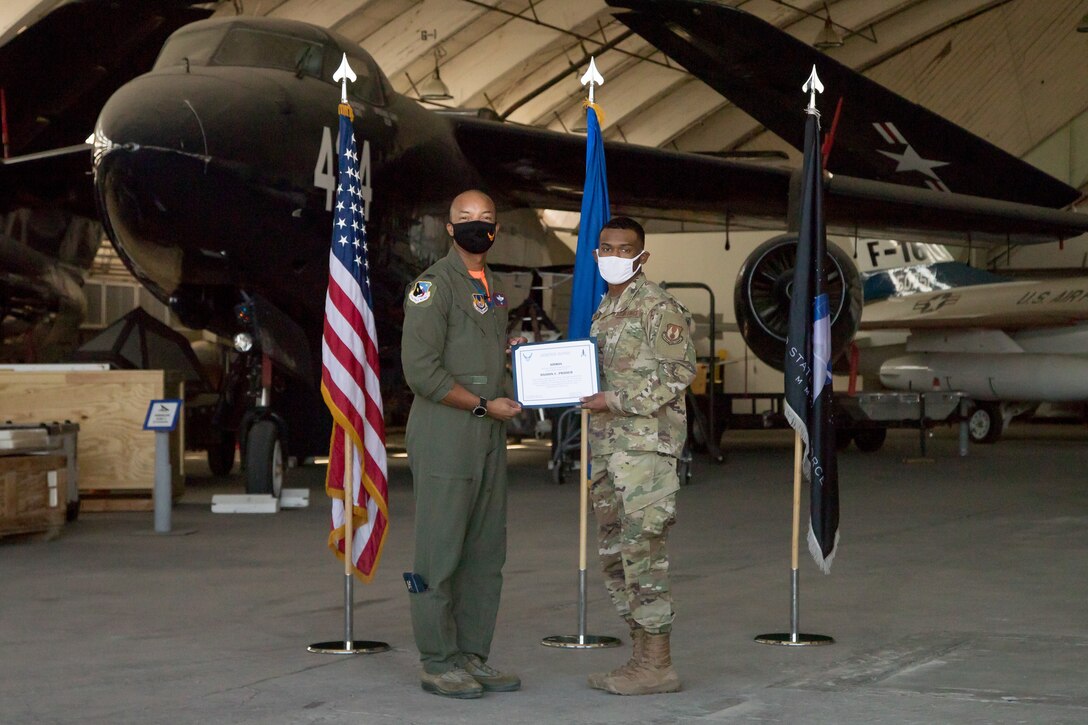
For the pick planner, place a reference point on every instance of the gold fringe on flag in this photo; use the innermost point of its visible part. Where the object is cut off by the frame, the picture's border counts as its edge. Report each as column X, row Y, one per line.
column 597, row 108
column 345, row 110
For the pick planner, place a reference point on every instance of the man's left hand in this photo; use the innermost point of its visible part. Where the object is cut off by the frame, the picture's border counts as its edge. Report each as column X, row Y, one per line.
column 513, row 341
column 595, row 403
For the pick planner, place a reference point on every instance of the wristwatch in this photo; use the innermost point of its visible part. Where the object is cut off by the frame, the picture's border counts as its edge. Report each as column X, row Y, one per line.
column 480, row 411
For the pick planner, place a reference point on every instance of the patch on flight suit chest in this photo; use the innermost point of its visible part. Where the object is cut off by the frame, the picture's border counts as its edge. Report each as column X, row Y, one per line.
column 479, row 303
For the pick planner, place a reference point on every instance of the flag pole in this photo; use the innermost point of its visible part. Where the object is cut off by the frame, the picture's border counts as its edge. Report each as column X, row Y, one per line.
column 595, row 190
column 581, row 640
column 349, row 645
column 794, row 637
column 583, row 506
column 349, row 530
column 372, row 489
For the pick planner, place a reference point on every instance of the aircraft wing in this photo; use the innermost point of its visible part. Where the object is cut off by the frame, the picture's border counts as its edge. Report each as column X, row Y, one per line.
column 545, row 169
column 1003, row 306
column 880, row 135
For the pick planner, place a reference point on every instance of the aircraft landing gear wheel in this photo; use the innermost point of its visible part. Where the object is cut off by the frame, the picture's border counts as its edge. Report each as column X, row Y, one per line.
column 869, row 440
column 985, row 423
column 264, row 459
column 843, row 436
column 221, row 454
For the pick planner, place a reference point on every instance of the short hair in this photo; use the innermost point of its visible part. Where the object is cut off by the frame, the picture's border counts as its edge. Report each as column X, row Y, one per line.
column 626, row 222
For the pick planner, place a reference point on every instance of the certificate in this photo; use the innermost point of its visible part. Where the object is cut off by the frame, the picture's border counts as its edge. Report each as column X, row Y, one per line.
column 549, row 374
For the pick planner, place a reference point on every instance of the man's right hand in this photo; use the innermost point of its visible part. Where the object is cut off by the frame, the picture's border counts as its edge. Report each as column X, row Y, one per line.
column 503, row 408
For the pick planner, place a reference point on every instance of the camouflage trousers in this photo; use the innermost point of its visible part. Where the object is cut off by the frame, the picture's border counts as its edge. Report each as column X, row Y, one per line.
column 634, row 500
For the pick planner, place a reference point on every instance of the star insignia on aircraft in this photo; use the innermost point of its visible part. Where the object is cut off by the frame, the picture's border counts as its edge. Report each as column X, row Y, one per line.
column 909, row 160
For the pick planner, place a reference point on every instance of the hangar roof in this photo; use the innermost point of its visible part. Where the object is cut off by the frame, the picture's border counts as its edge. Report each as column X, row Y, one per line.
column 1008, row 70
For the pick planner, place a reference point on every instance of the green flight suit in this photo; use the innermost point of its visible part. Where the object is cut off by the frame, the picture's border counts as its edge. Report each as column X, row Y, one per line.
column 454, row 332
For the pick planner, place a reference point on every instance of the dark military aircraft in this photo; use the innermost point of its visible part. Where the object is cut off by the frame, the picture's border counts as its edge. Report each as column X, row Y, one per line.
column 55, row 75
column 214, row 176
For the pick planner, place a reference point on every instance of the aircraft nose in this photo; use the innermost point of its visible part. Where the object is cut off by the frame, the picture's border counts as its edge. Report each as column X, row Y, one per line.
column 193, row 172
column 153, row 153
column 143, row 114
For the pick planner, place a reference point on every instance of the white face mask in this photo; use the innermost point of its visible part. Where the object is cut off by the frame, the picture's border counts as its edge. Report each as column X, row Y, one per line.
column 617, row 270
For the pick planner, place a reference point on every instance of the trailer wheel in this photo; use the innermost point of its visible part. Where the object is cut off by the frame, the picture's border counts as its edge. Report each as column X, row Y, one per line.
column 264, row 459
column 869, row 440
column 985, row 424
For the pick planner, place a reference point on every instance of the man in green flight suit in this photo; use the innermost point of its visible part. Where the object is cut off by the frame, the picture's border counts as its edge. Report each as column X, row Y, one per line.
column 453, row 351
column 638, row 425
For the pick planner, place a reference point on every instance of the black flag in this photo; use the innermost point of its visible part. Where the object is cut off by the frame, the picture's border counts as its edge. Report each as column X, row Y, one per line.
column 808, row 356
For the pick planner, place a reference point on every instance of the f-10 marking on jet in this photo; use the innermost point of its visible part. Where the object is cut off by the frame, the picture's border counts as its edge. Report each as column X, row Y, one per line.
column 909, row 160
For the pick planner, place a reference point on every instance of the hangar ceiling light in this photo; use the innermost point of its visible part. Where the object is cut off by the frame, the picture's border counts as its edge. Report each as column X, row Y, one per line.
column 433, row 89
column 829, row 36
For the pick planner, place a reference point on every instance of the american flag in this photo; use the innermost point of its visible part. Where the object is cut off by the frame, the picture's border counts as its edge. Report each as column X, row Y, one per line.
column 349, row 371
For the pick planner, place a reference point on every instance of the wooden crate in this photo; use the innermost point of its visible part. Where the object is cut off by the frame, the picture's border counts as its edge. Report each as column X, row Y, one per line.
column 33, row 494
column 116, row 456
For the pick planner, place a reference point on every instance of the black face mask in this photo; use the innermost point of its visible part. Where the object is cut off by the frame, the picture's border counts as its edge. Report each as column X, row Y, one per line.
column 475, row 237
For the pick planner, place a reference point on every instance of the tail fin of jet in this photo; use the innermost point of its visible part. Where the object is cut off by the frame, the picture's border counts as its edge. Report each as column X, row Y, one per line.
column 880, row 135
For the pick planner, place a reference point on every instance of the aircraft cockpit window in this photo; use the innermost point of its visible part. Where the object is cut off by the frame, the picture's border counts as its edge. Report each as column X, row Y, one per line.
column 248, row 47
column 195, row 47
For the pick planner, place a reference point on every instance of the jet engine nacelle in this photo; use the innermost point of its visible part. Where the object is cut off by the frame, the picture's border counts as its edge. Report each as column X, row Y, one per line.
column 761, row 298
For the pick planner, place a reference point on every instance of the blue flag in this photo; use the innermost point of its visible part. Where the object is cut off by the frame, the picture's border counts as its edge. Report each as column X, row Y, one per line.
column 589, row 287
column 808, row 359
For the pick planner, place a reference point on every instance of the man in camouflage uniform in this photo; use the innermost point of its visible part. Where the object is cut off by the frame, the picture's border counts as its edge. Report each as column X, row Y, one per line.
column 637, row 431
column 454, row 351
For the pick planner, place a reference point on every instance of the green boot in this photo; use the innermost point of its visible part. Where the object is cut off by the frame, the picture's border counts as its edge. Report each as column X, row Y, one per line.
column 489, row 678
column 454, row 683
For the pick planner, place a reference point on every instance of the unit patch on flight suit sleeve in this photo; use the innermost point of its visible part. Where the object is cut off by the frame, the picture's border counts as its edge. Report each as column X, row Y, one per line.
column 421, row 292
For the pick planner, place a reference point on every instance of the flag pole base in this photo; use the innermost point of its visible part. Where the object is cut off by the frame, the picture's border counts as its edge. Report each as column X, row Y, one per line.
column 789, row 639
column 355, row 647
column 580, row 641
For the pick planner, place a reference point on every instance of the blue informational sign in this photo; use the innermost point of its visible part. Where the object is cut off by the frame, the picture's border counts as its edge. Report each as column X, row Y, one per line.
column 162, row 415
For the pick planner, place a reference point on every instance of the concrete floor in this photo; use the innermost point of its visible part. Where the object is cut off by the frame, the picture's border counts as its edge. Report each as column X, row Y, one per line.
column 958, row 596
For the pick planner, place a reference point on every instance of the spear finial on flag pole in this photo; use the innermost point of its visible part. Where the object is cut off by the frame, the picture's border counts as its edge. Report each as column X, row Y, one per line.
column 592, row 78
column 812, row 87
column 344, row 74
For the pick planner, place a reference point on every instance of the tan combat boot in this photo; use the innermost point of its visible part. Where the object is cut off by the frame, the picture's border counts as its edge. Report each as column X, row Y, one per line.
column 651, row 675
column 638, row 642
